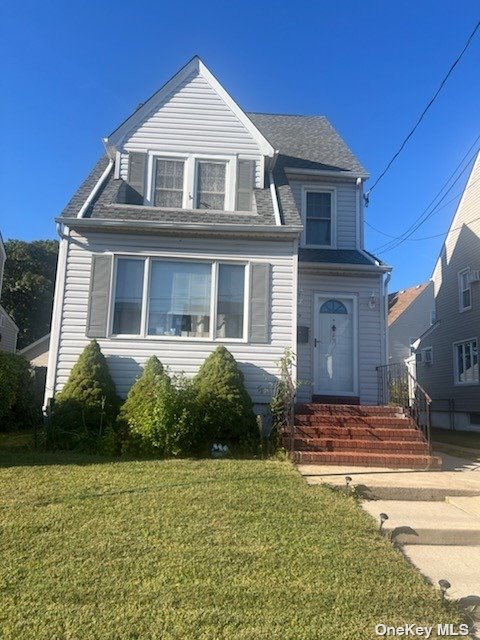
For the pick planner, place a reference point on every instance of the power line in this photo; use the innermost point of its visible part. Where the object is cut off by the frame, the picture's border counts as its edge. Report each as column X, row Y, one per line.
column 426, row 214
column 422, row 115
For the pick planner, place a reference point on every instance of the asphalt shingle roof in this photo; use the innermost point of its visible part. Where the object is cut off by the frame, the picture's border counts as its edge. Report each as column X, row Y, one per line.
column 334, row 256
column 399, row 301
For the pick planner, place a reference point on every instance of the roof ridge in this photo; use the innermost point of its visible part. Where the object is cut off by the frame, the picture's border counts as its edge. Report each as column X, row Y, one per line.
column 285, row 115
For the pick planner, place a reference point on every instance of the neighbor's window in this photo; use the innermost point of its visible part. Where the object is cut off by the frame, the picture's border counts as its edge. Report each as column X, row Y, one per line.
column 169, row 183
column 464, row 290
column 230, row 300
column 127, row 313
column 318, row 218
column 179, row 299
column 211, row 179
column 466, row 362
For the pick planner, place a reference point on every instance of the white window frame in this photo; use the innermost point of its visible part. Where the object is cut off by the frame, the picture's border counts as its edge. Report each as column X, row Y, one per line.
column 190, row 177
column 214, row 262
column 433, row 316
column 456, row 380
column 309, row 188
column 425, row 359
column 461, row 290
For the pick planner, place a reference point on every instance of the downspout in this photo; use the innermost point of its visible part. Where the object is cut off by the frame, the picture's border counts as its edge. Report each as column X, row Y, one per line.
column 96, row 188
column 276, row 208
column 385, row 315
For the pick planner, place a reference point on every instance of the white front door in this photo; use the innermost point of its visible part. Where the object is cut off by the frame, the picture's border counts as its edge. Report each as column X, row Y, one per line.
column 335, row 345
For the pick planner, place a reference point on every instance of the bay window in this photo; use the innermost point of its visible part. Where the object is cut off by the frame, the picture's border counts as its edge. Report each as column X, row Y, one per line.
column 179, row 298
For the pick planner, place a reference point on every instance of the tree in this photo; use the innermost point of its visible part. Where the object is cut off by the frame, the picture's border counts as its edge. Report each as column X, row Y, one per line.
column 28, row 286
column 223, row 399
column 87, row 406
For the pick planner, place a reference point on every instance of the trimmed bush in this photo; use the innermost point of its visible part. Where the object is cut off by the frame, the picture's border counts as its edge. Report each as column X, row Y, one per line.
column 159, row 416
column 85, row 410
column 224, row 402
column 17, row 404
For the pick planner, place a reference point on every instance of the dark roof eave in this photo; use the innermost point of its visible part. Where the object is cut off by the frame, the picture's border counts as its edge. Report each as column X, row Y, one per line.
column 342, row 266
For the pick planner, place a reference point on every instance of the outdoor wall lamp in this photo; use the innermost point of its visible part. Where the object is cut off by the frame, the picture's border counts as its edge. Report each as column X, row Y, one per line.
column 372, row 303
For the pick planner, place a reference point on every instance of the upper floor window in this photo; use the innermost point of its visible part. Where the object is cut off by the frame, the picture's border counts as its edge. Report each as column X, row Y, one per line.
column 186, row 181
column 318, row 217
column 464, row 290
column 465, row 365
column 211, row 187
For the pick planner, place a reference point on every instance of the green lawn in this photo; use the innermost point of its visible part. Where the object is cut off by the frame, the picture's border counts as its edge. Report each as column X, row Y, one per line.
column 239, row 550
column 467, row 439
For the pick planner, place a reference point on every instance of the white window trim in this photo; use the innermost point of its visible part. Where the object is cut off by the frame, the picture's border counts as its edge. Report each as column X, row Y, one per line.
column 306, row 188
column 424, row 359
column 462, row 272
column 190, row 177
column 214, row 262
column 456, row 381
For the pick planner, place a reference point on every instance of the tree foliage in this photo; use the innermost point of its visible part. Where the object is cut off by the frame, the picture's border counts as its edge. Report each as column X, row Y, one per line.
column 28, row 286
column 225, row 403
column 17, row 407
column 85, row 410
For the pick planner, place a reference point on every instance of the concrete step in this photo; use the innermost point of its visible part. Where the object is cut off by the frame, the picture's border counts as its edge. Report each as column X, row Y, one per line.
column 368, row 459
column 426, row 523
column 458, row 564
column 357, row 433
column 347, row 410
column 345, row 422
column 374, row 446
column 469, row 505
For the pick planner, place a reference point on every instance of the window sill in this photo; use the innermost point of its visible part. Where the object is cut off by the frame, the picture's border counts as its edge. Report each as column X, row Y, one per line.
column 173, row 339
column 466, row 384
column 465, row 309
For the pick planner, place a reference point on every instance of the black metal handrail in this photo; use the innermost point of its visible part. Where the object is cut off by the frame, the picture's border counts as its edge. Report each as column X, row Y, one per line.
column 397, row 386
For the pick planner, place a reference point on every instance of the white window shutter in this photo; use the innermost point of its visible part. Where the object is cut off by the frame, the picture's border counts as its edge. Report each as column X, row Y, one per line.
column 245, row 185
column 99, row 296
column 259, row 329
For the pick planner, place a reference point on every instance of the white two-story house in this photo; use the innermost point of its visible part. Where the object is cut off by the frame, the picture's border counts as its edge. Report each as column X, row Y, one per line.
column 8, row 328
column 204, row 225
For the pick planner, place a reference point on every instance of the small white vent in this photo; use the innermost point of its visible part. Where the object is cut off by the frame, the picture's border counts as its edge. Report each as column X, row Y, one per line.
column 474, row 276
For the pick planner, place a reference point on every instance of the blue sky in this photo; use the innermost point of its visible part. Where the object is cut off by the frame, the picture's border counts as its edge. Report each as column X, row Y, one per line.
column 71, row 72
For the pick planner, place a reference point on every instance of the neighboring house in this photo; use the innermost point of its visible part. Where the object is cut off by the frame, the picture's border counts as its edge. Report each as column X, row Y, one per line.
column 37, row 352
column 410, row 313
column 204, row 225
column 8, row 328
column 447, row 355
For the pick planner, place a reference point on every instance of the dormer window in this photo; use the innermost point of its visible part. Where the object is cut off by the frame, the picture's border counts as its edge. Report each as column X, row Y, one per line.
column 211, row 185
column 318, row 217
column 186, row 181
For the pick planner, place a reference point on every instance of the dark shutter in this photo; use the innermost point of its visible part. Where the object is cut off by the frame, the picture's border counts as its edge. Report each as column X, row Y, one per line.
column 99, row 296
column 136, row 177
column 245, row 183
column 259, row 303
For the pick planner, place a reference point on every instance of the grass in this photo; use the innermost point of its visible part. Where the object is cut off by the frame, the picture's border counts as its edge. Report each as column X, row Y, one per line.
column 467, row 439
column 94, row 549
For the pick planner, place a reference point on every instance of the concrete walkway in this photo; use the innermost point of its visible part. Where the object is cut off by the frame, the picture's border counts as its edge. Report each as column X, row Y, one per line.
column 433, row 515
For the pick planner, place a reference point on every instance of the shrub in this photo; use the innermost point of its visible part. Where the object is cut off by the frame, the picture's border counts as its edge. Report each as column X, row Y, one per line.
column 159, row 416
column 225, row 405
column 17, row 404
column 84, row 411
column 281, row 403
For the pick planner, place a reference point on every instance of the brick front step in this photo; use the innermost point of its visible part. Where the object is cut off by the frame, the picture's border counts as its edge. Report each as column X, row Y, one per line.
column 363, row 459
column 354, row 421
column 347, row 410
column 356, row 433
column 353, row 446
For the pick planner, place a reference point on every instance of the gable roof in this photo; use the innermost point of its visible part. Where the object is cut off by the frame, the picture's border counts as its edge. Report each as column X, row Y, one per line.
column 194, row 66
column 307, row 142
column 399, row 301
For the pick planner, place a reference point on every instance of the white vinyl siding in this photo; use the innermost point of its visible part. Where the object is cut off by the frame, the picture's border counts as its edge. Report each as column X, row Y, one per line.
column 369, row 327
column 8, row 333
column 127, row 355
column 194, row 119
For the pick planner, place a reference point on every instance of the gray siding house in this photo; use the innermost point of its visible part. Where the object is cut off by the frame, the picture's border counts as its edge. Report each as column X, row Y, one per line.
column 447, row 355
column 205, row 225
column 8, row 328
column 410, row 313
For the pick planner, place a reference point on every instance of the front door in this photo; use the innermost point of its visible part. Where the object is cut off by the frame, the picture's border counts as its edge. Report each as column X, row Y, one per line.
column 335, row 360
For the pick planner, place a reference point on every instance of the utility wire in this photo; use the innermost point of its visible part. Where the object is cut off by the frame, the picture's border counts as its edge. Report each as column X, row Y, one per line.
column 422, row 115
column 426, row 214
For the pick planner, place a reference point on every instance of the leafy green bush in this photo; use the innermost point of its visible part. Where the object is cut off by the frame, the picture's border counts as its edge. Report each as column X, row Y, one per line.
column 17, row 404
column 85, row 410
column 159, row 416
column 223, row 401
